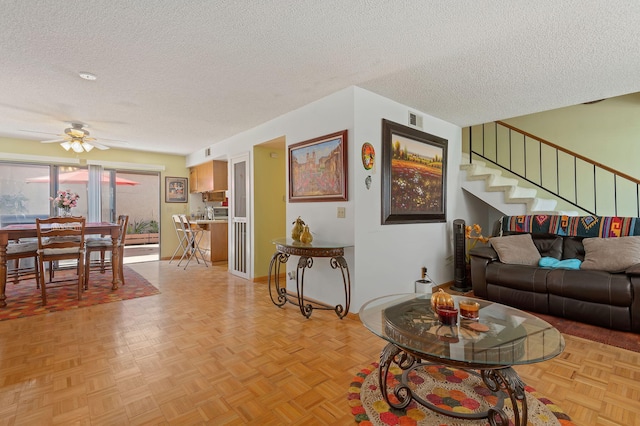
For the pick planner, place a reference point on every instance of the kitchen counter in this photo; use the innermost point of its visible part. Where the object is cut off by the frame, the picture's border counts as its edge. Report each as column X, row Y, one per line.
column 207, row 221
column 214, row 242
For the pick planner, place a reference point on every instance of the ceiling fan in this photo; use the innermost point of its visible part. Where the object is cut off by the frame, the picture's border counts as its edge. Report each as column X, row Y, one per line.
column 77, row 139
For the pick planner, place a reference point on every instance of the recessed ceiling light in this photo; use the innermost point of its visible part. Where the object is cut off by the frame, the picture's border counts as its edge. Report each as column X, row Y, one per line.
column 87, row 76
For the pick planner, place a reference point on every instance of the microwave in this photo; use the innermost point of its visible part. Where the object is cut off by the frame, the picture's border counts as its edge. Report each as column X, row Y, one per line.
column 220, row 213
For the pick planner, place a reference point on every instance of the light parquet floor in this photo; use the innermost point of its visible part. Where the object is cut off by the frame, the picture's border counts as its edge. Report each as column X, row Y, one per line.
column 212, row 349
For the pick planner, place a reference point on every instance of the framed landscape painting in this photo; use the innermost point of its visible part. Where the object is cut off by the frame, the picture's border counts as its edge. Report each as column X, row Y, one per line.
column 414, row 175
column 318, row 169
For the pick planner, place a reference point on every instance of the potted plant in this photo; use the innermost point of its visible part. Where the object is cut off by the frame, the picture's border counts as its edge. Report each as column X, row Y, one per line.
column 140, row 231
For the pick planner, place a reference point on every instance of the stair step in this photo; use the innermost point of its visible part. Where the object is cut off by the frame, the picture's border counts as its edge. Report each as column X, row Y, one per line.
column 513, row 193
column 501, row 183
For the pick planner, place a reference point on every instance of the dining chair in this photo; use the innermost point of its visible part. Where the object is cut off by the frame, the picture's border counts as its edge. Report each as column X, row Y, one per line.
column 182, row 246
column 16, row 252
column 102, row 245
column 61, row 238
column 193, row 234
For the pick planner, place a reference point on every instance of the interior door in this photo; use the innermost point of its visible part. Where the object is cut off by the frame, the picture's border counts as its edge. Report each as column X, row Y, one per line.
column 239, row 218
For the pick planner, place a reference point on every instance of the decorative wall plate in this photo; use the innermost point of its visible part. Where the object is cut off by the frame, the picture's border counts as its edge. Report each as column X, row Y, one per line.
column 368, row 156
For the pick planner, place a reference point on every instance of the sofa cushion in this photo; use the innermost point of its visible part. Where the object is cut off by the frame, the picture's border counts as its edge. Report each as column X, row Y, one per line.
column 600, row 314
column 591, row 286
column 548, row 245
column 521, row 277
column 611, row 254
column 516, row 249
column 572, row 248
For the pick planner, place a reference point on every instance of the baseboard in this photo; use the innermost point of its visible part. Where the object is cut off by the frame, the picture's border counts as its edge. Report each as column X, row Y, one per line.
column 265, row 279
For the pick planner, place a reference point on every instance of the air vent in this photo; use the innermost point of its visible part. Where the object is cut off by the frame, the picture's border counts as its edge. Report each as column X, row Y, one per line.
column 415, row 120
column 207, row 152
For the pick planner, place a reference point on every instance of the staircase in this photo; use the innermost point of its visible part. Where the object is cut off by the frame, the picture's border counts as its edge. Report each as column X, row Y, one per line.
column 509, row 168
column 506, row 194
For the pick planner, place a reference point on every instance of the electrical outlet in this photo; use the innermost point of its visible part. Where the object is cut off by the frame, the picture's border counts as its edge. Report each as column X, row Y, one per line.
column 292, row 275
column 341, row 212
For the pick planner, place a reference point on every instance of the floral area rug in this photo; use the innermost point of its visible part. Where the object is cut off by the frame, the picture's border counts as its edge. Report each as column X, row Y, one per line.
column 24, row 299
column 448, row 388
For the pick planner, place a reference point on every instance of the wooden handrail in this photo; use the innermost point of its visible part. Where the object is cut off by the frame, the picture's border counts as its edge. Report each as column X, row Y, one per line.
column 574, row 154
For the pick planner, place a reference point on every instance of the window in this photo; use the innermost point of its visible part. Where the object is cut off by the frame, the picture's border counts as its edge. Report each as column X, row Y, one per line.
column 22, row 197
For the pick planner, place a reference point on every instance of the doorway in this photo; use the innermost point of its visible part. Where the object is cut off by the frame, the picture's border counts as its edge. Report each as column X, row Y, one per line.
column 269, row 202
column 136, row 194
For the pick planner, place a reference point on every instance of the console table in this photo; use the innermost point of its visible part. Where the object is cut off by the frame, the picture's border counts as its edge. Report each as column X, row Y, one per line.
column 286, row 247
column 501, row 338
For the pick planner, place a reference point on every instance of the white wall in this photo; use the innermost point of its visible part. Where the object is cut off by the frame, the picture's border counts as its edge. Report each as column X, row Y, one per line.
column 389, row 258
column 384, row 259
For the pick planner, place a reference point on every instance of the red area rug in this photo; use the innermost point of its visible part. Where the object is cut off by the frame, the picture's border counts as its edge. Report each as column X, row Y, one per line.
column 451, row 389
column 24, row 299
column 619, row 339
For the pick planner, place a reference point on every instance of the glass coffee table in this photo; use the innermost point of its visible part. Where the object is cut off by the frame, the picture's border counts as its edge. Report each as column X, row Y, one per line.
column 489, row 346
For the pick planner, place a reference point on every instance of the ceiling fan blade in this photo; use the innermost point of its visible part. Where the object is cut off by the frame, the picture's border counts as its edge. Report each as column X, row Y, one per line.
column 99, row 146
column 42, row 133
column 54, row 140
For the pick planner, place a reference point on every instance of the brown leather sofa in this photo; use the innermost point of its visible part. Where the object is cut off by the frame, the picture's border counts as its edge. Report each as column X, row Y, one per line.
column 596, row 297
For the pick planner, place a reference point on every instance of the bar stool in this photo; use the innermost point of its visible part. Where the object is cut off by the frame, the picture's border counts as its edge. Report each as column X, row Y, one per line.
column 182, row 238
column 193, row 235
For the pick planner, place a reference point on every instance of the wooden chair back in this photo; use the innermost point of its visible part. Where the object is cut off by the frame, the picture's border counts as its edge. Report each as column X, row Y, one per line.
column 61, row 238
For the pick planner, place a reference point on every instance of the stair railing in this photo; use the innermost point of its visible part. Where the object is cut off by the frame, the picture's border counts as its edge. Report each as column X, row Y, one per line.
column 569, row 176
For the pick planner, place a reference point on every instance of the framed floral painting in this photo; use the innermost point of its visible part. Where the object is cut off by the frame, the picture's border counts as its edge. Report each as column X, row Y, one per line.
column 414, row 175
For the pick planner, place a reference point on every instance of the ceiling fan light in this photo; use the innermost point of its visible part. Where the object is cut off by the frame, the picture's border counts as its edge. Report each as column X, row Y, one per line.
column 87, row 146
column 66, row 145
column 76, row 146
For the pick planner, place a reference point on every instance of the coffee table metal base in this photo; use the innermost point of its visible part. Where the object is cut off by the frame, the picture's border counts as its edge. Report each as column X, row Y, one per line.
column 499, row 380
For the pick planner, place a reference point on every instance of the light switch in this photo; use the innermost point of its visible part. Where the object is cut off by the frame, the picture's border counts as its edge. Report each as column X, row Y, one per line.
column 341, row 212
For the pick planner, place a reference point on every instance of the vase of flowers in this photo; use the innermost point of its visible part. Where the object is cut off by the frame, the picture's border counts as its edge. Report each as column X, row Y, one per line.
column 474, row 235
column 65, row 201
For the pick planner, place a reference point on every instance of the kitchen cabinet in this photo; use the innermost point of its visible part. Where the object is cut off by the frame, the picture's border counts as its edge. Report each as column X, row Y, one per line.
column 208, row 177
column 216, row 196
column 193, row 180
column 214, row 241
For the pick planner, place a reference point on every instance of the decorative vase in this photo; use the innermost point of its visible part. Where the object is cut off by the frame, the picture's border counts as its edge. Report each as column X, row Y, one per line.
column 306, row 236
column 298, row 227
column 64, row 212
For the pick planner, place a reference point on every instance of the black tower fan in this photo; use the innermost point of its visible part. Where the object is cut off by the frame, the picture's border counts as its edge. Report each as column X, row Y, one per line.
column 460, row 281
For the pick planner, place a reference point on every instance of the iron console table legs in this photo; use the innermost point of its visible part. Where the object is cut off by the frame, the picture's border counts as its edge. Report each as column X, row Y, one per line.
column 280, row 296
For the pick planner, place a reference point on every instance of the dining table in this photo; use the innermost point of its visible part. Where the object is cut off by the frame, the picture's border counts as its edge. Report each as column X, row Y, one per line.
column 28, row 230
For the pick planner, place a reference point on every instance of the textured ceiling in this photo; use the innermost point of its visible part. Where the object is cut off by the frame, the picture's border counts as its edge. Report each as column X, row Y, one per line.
column 176, row 76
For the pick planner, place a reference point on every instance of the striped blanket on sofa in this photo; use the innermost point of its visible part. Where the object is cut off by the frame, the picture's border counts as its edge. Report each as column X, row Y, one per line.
column 572, row 226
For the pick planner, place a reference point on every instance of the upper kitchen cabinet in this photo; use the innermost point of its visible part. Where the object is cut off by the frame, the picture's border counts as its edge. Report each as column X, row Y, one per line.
column 208, row 177
column 193, row 179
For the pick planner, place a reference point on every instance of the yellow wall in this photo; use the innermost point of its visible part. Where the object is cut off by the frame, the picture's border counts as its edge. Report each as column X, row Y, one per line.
column 174, row 166
column 606, row 131
column 269, row 204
